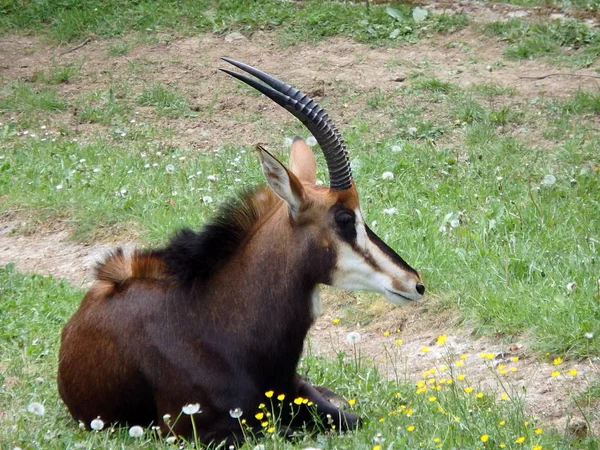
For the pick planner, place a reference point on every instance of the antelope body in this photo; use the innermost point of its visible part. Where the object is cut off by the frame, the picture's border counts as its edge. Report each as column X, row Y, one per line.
column 219, row 317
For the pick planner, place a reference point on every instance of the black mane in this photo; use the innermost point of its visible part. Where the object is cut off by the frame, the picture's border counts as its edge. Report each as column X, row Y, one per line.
column 196, row 256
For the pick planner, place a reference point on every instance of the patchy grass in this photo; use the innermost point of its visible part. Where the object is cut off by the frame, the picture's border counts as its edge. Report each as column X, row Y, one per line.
column 444, row 409
column 569, row 42
column 295, row 22
column 167, row 99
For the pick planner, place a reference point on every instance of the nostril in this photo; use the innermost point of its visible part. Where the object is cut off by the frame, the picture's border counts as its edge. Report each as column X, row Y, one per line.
column 420, row 288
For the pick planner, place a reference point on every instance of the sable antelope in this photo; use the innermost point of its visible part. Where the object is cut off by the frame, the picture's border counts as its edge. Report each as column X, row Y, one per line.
column 219, row 317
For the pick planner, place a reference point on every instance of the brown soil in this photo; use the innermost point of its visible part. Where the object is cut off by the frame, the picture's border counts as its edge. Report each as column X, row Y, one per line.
column 330, row 67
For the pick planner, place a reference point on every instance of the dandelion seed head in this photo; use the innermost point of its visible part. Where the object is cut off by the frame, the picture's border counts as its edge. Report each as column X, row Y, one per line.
column 311, row 141
column 191, row 408
column 353, row 337
column 171, row 439
column 236, row 413
column 97, row 424
column 390, row 211
column 548, row 180
column 571, row 286
column 207, row 199
column 387, row 175
column 36, row 408
column 211, row 177
column 589, row 335
column 136, row 431
column 170, row 168
column 59, row 187
column 287, row 142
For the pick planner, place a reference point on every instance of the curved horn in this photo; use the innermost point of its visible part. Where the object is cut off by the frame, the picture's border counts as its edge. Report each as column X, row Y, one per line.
column 310, row 114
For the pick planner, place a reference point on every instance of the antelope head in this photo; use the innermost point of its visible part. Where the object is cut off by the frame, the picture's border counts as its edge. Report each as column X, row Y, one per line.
column 361, row 260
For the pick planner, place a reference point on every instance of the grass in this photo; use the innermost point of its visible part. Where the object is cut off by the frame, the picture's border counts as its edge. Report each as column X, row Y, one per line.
column 569, row 42
column 443, row 409
column 294, row 22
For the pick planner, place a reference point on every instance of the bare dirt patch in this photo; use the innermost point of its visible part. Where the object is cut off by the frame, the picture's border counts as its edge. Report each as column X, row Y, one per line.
column 191, row 64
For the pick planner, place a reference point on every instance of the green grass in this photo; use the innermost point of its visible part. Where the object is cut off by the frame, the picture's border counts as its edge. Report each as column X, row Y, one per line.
column 57, row 73
column 167, row 99
column 444, row 408
column 532, row 39
column 295, row 22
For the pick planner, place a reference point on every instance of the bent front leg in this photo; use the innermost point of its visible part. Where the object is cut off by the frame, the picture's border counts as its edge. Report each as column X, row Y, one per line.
column 329, row 413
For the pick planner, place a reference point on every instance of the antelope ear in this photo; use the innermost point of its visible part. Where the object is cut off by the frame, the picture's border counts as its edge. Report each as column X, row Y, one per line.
column 285, row 184
column 302, row 161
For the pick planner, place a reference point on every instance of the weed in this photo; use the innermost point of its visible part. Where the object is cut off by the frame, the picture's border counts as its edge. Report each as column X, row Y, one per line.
column 57, row 73
column 167, row 99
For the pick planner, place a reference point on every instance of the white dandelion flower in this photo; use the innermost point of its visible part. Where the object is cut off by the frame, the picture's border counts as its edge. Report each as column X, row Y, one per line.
column 387, row 175
column 191, row 408
column 571, row 286
column 170, row 168
column 171, row 439
column 454, row 223
column 97, row 424
column 167, row 417
column 36, row 408
column 59, row 187
column 211, row 178
column 412, row 130
column 311, row 141
column 207, row 199
column 287, row 142
column 589, row 335
column 236, row 413
column 390, row 211
column 396, row 148
column 136, row 431
column 353, row 337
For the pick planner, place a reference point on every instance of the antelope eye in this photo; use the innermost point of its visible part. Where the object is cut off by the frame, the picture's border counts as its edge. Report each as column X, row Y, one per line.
column 344, row 218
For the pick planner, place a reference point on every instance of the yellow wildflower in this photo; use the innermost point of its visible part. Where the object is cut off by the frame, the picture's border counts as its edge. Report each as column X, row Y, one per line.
column 490, row 356
column 484, row 437
column 410, row 428
column 386, row 333
column 437, row 440
column 538, row 431
column 441, row 340
column 377, row 447
column 270, row 429
column 461, row 377
column 280, row 397
column 382, row 419
column 459, row 363
column 259, row 415
column 573, row 372
column 463, row 356
column 513, row 369
column 399, row 341
column 502, row 446
column 264, row 424
column 432, row 399
column 425, row 349
column 336, row 320
column 502, row 423
column 269, row 394
column 555, row 374
column 351, row 402
column 298, row 400
column 536, row 447
column 261, row 406
column 514, row 358
column 468, row 390
column 504, row 396
column 558, row 361
column 480, row 395
column 520, row 440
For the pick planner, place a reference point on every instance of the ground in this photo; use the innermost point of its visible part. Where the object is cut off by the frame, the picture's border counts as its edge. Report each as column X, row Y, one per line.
column 192, row 62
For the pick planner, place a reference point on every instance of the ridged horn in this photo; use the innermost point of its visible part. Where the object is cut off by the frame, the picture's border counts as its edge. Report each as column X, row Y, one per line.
column 310, row 114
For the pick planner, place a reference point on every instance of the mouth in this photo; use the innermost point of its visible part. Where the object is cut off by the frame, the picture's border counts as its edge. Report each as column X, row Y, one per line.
column 401, row 298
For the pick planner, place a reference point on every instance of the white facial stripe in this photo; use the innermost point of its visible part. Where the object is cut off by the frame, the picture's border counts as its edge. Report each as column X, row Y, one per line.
column 354, row 272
